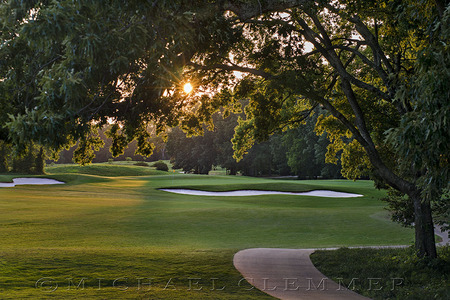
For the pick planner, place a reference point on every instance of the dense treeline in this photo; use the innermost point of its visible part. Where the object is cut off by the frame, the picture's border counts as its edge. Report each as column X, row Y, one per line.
column 30, row 161
column 296, row 151
column 104, row 154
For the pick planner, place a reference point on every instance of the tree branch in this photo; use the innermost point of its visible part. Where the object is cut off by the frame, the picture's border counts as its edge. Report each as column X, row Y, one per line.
column 346, row 78
column 440, row 5
column 246, row 10
column 329, row 53
column 232, row 67
column 387, row 174
column 333, row 58
column 372, row 42
column 379, row 69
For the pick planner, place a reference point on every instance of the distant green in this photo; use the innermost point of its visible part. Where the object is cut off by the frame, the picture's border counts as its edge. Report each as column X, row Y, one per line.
column 112, row 220
column 105, row 169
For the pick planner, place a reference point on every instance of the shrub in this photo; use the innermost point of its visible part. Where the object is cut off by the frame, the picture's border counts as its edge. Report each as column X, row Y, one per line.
column 160, row 165
column 128, row 159
column 24, row 164
column 110, row 160
column 141, row 163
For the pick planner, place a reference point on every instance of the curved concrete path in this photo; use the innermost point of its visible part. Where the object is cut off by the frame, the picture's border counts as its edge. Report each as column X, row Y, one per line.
column 289, row 274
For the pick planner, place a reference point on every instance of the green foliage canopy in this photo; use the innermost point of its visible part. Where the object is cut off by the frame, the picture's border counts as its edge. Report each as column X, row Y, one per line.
column 69, row 67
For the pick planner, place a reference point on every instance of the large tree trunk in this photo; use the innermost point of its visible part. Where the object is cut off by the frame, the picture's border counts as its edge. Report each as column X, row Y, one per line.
column 425, row 243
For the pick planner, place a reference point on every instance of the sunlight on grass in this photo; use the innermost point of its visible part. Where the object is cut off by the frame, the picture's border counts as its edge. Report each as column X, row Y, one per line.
column 103, row 226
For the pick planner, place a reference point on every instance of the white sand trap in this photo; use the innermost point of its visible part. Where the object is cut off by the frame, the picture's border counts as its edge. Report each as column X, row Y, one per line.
column 30, row 181
column 316, row 193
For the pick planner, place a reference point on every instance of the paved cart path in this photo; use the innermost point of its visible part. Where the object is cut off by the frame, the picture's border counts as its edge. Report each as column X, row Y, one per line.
column 289, row 274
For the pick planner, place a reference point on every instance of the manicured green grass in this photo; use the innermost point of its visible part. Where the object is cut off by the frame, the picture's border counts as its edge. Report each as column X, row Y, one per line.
column 387, row 273
column 122, row 273
column 107, row 226
column 108, row 170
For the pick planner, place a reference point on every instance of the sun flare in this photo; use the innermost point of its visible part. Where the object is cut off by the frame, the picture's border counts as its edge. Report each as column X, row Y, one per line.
column 187, row 88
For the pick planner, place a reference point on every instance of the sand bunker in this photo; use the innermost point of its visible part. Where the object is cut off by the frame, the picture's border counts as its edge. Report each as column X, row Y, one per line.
column 30, row 181
column 317, row 193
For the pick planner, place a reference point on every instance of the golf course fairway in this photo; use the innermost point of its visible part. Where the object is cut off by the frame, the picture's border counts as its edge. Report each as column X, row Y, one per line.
column 110, row 233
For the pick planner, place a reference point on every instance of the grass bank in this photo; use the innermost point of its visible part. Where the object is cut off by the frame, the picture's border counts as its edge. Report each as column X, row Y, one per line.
column 387, row 273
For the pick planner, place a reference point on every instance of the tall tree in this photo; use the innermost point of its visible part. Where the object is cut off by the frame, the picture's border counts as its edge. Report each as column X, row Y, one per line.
column 68, row 67
column 306, row 151
column 196, row 154
column 361, row 59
